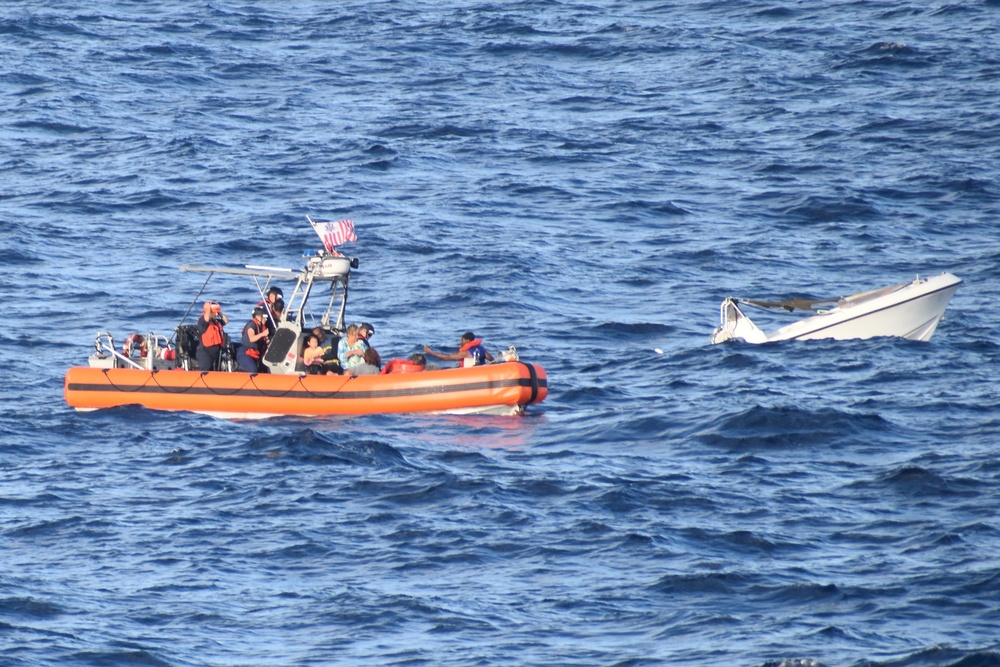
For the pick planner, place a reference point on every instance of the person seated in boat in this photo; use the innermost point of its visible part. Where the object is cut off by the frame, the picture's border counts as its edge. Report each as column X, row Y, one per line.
column 351, row 353
column 331, row 363
column 210, row 335
column 254, row 342
column 312, row 356
column 365, row 332
column 416, row 363
column 470, row 353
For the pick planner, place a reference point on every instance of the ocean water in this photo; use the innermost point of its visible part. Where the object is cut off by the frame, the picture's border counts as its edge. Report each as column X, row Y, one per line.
column 584, row 180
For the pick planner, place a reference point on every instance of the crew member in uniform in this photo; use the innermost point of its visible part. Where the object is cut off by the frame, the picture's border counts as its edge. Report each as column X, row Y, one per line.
column 253, row 342
column 210, row 335
column 273, row 294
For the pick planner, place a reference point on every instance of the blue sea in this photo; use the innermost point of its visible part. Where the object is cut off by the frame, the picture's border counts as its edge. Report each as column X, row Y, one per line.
column 585, row 180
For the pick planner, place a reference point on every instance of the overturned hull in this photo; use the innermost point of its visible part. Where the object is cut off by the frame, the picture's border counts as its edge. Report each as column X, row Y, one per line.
column 503, row 388
column 911, row 310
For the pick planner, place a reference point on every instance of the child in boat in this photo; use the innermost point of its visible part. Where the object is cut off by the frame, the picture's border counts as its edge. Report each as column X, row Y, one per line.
column 312, row 355
column 329, row 356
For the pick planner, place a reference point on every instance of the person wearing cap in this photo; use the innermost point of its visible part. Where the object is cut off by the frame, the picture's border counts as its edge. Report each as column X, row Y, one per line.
column 254, row 342
column 210, row 335
column 470, row 353
column 275, row 309
column 365, row 332
column 273, row 294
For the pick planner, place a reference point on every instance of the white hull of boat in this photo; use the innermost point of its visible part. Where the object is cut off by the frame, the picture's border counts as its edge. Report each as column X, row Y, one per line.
column 910, row 311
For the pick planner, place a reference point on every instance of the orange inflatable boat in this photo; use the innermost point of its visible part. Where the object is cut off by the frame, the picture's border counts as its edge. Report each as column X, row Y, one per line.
column 164, row 374
column 502, row 388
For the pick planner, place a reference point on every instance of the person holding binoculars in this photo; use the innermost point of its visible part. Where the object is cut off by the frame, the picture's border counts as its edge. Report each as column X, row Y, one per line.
column 211, row 335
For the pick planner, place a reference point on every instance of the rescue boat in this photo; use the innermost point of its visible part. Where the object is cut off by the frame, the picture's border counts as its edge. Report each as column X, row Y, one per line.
column 161, row 373
column 501, row 388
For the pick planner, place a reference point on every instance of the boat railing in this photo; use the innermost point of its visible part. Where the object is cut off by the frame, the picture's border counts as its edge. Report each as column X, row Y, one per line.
column 104, row 343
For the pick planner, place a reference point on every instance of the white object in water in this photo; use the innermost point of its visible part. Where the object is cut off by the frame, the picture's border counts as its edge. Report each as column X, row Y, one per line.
column 911, row 310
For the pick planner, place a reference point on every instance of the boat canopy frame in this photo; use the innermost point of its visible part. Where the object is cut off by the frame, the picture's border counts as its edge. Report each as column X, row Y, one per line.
column 321, row 267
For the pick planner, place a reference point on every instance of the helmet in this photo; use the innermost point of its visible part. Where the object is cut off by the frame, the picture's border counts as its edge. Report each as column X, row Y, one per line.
column 367, row 328
column 258, row 311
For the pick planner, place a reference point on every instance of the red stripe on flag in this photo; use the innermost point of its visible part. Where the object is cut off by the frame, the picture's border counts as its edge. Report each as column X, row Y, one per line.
column 336, row 233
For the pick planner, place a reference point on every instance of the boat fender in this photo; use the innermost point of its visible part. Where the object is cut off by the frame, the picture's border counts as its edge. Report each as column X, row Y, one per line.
column 401, row 366
column 131, row 342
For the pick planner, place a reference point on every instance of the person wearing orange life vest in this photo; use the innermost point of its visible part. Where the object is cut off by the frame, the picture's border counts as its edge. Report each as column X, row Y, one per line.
column 253, row 342
column 211, row 335
column 471, row 352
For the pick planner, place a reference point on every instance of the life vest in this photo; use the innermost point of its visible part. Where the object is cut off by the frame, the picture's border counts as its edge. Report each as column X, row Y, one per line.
column 401, row 366
column 212, row 335
column 252, row 350
column 476, row 350
column 130, row 344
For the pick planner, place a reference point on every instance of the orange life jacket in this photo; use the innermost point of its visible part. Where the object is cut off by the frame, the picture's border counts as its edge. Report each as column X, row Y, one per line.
column 212, row 335
column 476, row 351
column 253, row 349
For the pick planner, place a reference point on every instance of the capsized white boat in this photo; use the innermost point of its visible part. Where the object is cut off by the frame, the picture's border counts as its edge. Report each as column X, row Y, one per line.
column 910, row 310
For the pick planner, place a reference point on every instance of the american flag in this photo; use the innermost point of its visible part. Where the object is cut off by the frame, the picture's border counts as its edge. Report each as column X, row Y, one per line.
column 334, row 234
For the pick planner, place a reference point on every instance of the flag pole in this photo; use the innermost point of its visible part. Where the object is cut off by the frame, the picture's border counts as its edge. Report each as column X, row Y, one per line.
column 316, row 229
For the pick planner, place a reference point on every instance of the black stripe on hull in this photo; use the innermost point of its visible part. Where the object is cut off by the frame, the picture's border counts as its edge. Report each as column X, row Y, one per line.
column 863, row 315
column 534, row 383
